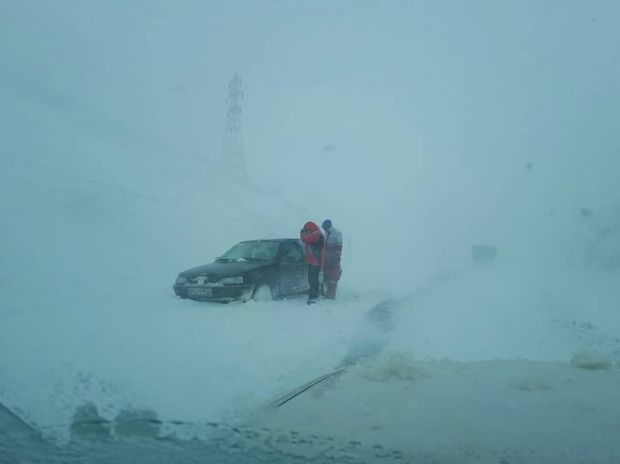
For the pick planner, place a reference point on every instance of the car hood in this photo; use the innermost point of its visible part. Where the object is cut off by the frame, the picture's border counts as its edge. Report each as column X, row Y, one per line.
column 225, row 269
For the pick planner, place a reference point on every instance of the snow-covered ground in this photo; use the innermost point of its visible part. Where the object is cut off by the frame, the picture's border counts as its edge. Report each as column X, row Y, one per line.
column 476, row 369
column 466, row 366
column 109, row 187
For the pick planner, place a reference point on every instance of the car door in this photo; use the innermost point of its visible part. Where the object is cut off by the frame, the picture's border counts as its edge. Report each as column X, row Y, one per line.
column 293, row 269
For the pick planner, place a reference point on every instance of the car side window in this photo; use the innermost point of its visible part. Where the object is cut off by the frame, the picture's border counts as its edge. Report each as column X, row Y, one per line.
column 291, row 253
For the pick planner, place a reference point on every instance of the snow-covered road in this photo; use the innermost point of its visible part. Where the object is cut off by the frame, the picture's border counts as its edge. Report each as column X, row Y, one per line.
column 198, row 362
column 186, row 360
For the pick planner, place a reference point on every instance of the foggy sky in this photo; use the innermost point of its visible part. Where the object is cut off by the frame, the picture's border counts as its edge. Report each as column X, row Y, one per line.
column 422, row 112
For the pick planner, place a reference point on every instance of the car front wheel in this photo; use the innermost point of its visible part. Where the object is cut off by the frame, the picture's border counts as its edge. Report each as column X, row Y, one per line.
column 262, row 293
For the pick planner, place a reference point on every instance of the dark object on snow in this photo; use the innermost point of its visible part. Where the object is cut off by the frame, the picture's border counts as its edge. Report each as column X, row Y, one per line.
column 483, row 254
column 21, row 442
column 529, row 165
column 281, row 401
column 586, row 212
column 87, row 423
column 137, row 423
column 255, row 269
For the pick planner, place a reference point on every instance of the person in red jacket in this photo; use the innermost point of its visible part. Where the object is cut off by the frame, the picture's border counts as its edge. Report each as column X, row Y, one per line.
column 313, row 255
column 331, row 266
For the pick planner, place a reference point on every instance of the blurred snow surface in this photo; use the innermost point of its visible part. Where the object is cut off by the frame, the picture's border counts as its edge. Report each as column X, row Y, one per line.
column 449, row 362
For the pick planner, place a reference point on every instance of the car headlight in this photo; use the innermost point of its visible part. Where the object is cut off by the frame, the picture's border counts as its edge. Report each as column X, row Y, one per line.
column 231, row 280
column 181, row 280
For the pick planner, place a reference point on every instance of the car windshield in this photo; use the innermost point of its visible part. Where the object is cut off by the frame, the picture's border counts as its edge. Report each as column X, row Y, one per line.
column 257, row 250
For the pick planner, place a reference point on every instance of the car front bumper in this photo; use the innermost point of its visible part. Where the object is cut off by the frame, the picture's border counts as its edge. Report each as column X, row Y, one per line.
column 222, row 293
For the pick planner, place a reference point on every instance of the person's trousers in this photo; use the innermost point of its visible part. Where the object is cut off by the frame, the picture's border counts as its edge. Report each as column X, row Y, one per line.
column 331, row 274
column 330, row 290
column 313, row 281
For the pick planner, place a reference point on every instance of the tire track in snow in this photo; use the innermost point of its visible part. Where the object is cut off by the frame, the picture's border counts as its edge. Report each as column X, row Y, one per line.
column 373, row 339
column 381, row 324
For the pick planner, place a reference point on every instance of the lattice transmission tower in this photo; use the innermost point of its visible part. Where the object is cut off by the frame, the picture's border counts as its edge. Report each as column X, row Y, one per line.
column 233, row 142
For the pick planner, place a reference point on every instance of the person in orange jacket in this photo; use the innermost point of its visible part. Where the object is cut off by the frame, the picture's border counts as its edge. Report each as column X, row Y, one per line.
column 331, row 265
column 313, row 256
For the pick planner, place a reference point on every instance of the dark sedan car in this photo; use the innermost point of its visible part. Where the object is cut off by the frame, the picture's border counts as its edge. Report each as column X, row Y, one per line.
column 258, row 269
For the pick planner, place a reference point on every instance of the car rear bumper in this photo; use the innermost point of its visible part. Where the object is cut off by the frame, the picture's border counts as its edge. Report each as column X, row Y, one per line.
column 224, row 293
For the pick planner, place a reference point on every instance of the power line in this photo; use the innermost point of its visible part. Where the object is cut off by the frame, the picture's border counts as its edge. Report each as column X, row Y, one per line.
column 90, row 197
column 89, row 180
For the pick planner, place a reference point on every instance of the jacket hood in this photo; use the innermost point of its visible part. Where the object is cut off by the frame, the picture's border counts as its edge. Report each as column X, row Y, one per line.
column 310, row 226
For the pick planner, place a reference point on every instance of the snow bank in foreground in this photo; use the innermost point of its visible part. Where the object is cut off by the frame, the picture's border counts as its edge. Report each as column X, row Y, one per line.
column 186, row 360
column 480, row 412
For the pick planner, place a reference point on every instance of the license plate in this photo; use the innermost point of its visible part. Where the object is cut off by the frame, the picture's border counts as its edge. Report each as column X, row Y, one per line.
column 201, row 292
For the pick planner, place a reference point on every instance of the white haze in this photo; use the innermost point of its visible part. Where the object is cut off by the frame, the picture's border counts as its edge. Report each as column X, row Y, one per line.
column 419, row 128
